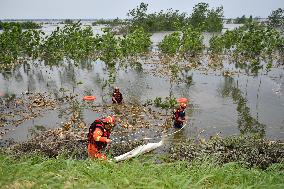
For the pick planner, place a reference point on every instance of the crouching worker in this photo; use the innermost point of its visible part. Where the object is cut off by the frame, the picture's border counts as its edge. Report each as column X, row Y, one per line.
column 98, row 136
column 179, row 116
column 116, row 96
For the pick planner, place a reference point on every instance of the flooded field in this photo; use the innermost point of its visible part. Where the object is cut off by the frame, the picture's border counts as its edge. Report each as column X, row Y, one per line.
column 37, row 97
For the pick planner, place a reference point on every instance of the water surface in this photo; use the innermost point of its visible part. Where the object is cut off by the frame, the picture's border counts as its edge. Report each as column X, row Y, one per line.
column 218, row 105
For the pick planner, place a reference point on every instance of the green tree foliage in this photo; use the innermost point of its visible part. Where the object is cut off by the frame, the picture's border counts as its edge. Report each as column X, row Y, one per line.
column 30, row 43
column 139, row 16
column 229, row 21
column 68, row 21
column 280, row 46
column 192, row 42
column 114, row 22
column 10, row 45
column 230, row 38
column 198, row 16
column 202, row 17
column 22, row 25
column 216, row 45
column 255, row 40
column 52, row 48
column 78, row 41
column 170, row 44
column 168, row 103
column 15, row 43
column 214, row 21
column 108, row 47
column 135, row 43
column 250, row 44
column 71, row 41
column 168, row 20
column 243, row 20
column 251, row 40
column 276, row 19
column 206, row 19
column 159, row 21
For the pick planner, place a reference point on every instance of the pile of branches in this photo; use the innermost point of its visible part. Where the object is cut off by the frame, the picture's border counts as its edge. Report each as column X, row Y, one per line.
column 70, row 144
column 52, row 143
column 248, row 150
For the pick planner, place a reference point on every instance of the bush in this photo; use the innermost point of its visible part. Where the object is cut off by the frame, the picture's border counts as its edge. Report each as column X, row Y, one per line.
column 250, row 151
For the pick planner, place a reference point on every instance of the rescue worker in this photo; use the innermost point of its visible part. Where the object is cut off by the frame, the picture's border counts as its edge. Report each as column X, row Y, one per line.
column 117, row 96
column 98, row 136
column 179, row 116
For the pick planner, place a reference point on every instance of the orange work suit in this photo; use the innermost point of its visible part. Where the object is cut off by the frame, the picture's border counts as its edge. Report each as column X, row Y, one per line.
column 94, row 150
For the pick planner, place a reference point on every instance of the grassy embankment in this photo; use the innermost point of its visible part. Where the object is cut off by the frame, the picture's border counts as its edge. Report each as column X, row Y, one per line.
column 40, row 172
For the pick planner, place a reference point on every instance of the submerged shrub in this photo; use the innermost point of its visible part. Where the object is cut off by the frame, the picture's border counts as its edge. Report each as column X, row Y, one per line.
column 216, row 45
column 135, row 43
column 71, row 41
column 15, row 44
column 108, row 47
column 22, row 25
column 251, row 151
column 192, row 42
column 170, row 44
column 206, row 19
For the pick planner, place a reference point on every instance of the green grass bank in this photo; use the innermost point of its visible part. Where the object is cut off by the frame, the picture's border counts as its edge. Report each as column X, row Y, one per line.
column 40, row 172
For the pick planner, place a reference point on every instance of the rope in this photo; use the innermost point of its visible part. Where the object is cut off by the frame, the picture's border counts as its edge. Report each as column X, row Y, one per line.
column 146, row 138
column 132, row 154
column 128, row 135
column 168, row 134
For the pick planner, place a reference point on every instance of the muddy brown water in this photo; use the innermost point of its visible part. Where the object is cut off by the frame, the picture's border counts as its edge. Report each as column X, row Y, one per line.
column 218, row 105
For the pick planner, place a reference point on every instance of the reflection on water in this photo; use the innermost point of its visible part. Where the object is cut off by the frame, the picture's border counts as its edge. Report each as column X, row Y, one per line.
column 218, row 104
column 246, row 123
column 243, row 104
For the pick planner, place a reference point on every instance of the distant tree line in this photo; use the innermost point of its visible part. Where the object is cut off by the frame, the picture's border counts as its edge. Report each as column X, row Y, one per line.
column 276, row 19
column 202, row 17
column 23, row 25
column 241, row 20
column 112, row 22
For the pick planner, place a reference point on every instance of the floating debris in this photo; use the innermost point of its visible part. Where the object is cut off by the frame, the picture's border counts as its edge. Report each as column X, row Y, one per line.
column 248, row 150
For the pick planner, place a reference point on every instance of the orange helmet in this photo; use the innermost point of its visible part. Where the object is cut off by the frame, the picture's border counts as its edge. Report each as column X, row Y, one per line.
column 183, row 105
column 110, row 120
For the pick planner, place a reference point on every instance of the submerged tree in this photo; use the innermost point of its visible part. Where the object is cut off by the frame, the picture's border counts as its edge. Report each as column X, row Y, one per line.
column 206, row 19
column 191, row 42
column 276, row 19
column 170, row 44
column 243, row 20
column 214, row 21
column 135, row 43
column 108, row 47
column 202, row 17
column 139, row 15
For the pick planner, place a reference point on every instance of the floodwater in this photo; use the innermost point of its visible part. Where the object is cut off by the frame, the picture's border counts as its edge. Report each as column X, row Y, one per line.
column 218, row 105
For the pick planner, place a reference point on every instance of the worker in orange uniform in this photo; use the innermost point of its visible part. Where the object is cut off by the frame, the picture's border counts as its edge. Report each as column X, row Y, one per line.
column 179, row 116
column 98, row 136
column 117, row 96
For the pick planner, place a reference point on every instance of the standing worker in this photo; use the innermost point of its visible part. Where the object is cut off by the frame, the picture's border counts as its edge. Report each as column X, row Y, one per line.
column 117, row 96
column 98, row 136
column 179, row 116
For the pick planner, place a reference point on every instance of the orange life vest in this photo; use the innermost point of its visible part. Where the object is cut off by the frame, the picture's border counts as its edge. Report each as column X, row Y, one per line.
column 98, row 124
